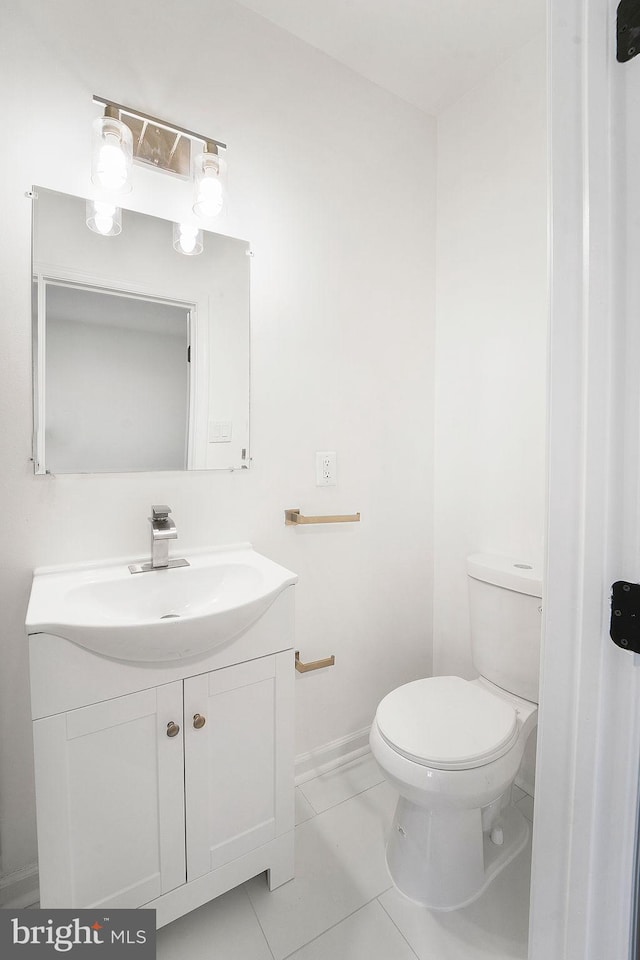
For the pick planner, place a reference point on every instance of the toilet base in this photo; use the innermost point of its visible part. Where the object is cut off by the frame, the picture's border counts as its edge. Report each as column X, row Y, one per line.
column 442, row 859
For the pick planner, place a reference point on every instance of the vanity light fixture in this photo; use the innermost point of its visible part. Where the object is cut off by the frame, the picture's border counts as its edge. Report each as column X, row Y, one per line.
column 112, row 153
column 209, row 175
column 157, row 144
column 124, row 136
column 187, row 239
column 104, row 217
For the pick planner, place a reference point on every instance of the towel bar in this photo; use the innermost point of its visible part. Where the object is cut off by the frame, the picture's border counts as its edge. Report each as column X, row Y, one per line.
column 294, row 518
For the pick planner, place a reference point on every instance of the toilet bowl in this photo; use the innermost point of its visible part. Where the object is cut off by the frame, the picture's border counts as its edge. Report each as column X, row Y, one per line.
column 452, row 749
column 453, row 829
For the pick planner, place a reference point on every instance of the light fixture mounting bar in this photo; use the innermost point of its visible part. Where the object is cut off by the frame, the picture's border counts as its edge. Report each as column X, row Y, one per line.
column 157, row 143
column 163, row 123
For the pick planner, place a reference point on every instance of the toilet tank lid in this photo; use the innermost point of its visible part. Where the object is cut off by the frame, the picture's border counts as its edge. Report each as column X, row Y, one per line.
column 523, row 576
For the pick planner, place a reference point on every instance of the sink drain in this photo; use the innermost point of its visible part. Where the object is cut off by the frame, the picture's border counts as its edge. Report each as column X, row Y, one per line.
column 170, row 616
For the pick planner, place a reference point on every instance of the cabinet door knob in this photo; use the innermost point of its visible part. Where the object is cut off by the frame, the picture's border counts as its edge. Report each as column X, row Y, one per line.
column 172, row 729
column 198, row 721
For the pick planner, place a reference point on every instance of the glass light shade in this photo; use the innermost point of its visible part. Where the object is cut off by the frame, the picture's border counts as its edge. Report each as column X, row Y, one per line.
column 187, row 239
column 111, row 155
column 104, row 218
column 210, row 172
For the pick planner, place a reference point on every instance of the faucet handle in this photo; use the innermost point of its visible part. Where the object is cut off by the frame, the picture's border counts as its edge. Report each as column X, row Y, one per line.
column 160, row 511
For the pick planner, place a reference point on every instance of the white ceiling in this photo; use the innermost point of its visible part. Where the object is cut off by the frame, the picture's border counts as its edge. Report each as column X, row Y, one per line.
column 429, row 52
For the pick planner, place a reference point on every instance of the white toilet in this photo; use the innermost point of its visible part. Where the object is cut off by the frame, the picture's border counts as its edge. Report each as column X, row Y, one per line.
column 452, row 747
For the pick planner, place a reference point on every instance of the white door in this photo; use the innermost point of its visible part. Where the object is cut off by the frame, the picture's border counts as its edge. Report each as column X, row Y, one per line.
column 238, row 760
column 583, row 874
column 110, row 801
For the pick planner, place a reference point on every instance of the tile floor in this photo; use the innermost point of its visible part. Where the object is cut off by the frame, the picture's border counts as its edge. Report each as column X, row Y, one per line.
column 341, row 904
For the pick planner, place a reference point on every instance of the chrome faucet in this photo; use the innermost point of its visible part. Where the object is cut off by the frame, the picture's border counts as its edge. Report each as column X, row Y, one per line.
column 163, row 529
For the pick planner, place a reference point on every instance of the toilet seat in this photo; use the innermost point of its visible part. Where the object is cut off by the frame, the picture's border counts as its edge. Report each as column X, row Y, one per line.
column 447, row 723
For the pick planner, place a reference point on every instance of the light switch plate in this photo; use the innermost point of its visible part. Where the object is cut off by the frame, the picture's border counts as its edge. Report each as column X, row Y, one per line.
column 220, row 431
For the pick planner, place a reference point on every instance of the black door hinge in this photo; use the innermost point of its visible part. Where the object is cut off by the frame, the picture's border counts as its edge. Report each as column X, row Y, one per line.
column 625, row 615
column 628, row 30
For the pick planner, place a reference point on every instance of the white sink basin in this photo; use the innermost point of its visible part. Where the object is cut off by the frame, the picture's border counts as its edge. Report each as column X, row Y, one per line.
column 166, row 614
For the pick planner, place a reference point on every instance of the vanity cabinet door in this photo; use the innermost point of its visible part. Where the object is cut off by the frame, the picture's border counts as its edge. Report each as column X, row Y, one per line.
column 239, row 761
column 110, row 801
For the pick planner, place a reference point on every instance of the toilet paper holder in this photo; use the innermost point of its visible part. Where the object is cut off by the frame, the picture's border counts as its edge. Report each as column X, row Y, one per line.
column 313, row 664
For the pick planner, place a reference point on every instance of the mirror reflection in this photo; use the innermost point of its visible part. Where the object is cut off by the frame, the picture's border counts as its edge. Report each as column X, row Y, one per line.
column 141, row 354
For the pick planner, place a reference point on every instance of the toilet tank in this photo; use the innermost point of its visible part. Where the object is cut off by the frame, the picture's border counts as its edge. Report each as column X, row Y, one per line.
column 505, row 609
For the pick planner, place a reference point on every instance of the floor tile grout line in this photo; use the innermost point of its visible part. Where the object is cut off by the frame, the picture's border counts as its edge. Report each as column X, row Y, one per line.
column 255, row 913
column 336, row 924
column 395, row 924
column 520, row 804
column 314, row 812
column 318, row 813
column 339, row 771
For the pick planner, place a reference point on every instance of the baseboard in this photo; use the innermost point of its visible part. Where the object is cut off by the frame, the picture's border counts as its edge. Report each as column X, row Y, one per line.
column 331, row 755
column 20, row 889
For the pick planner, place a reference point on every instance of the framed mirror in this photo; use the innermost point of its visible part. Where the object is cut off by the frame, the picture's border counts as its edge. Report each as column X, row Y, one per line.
column 141, row 354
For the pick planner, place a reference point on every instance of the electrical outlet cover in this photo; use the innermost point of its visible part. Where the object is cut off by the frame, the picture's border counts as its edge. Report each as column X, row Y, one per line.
column 326, row 468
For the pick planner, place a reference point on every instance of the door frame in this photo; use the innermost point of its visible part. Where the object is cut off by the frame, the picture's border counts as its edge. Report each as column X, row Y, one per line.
column 583, row 864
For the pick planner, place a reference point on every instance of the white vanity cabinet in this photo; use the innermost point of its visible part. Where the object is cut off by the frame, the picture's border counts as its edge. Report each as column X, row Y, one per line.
column 111, row 801
column 164, row 785
column 231, row 763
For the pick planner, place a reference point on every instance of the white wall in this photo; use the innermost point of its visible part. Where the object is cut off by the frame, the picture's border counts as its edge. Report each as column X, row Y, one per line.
column 332, row 180
column 492, row 308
